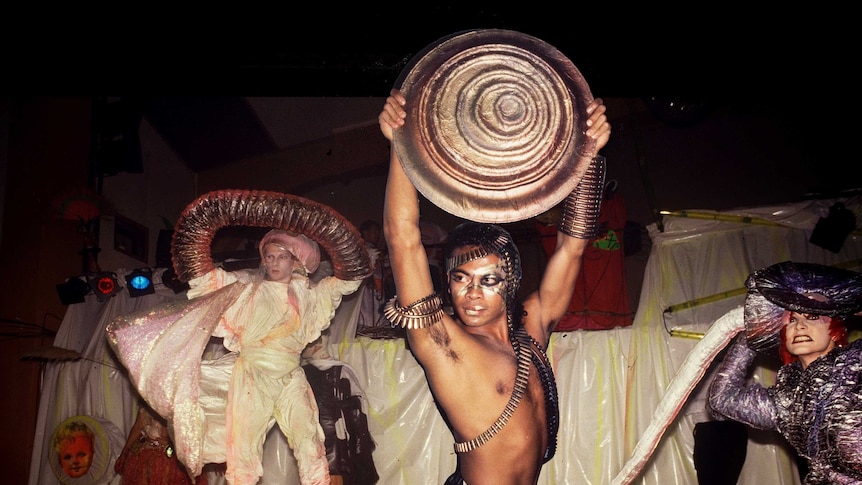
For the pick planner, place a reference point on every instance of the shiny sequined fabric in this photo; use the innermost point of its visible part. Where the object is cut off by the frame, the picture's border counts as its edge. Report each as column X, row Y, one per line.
column 817, row 409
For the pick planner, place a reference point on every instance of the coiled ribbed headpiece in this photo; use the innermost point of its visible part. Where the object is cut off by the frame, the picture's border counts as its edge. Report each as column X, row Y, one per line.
column 191, row 245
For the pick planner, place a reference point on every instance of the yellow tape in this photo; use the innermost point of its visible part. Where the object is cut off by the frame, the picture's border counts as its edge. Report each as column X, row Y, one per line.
column 686, row 334
column 706, row 299
column 721, row 217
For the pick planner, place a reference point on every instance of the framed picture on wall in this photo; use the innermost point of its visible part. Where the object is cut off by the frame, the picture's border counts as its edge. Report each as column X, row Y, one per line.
column 131, row 238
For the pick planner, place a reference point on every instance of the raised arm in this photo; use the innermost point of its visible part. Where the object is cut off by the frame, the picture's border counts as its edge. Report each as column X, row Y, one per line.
column 731, row 397
column 576, row 228
column 401, row 216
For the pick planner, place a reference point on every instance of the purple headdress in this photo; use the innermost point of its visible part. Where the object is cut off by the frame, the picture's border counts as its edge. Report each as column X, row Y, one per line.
column 800, row 287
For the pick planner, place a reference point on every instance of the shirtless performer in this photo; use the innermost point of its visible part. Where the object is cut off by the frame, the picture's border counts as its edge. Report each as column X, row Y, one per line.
column 486, row 365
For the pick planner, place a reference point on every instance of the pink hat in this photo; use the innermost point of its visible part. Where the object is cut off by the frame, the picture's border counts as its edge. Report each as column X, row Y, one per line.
column 302, row 248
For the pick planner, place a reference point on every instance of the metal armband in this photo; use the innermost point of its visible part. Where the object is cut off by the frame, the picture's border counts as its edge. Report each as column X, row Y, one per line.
column 580, row 214
column 419, row 314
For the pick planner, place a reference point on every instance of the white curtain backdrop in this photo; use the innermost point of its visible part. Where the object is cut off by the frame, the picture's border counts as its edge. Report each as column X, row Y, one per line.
column 610, row 381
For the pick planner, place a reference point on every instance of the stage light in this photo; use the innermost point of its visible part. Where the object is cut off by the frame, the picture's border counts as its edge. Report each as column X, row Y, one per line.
column 140, row 282
column 73, row 290
column 105, row 285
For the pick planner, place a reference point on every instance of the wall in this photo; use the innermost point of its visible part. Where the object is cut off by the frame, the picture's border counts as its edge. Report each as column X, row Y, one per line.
column 150, row 198
column 47, row 150
column 741, row 155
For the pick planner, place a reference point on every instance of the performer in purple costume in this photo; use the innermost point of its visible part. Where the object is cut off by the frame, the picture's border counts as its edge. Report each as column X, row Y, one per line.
column 816, row 401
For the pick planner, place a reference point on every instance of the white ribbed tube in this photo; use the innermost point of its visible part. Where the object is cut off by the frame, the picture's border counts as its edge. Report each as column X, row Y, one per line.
column 693, row 369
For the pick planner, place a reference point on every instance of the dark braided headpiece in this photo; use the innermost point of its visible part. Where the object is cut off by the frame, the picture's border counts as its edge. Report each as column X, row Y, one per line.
column 484, row 239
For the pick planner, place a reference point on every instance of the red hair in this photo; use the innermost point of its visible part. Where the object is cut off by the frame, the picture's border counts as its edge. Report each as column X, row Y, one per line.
column 837, row 331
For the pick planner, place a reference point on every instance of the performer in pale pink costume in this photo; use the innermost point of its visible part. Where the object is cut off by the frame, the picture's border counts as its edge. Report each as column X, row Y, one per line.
column 221, row 410
column 269, row 325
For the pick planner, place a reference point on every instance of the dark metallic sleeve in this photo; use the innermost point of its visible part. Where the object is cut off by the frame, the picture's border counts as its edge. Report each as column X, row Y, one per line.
column 731, row 397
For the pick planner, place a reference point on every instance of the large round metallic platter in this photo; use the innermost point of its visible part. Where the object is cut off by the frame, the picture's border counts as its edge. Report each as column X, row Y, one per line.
column 495, row 125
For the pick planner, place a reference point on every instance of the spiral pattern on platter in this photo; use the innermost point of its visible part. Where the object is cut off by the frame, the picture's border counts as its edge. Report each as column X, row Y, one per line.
column 495, row 125
column 500, row 116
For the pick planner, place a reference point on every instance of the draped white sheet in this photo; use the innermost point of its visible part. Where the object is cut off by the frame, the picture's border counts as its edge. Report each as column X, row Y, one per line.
column 610, row 381
column 94, row 385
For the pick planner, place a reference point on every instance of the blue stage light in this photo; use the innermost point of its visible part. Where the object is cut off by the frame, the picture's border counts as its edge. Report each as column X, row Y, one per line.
column 140, row 282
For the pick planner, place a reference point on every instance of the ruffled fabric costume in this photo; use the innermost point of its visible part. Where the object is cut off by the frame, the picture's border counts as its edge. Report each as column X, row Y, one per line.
column 267, row 382
column 220, row 410
column 243, row 393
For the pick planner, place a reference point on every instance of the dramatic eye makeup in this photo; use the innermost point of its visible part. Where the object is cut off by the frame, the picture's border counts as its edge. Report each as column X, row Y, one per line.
column 490, row 279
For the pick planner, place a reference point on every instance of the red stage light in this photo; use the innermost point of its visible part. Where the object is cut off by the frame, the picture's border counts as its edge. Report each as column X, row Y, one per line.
column 105, row 285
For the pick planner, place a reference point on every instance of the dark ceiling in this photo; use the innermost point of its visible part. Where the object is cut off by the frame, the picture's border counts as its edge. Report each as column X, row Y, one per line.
column 187, row 81
column 359, row 49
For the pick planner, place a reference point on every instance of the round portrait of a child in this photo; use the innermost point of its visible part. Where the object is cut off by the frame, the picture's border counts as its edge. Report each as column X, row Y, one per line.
column 83, row 450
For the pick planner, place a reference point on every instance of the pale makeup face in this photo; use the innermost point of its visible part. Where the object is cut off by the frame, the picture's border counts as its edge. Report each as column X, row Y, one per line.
column 478, row 290
column 807, row 336
column 278, row 263
column 76, row 455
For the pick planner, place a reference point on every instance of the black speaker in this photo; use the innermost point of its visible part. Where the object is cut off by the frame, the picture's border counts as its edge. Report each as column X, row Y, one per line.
column 831, row 232
column 73, row 290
